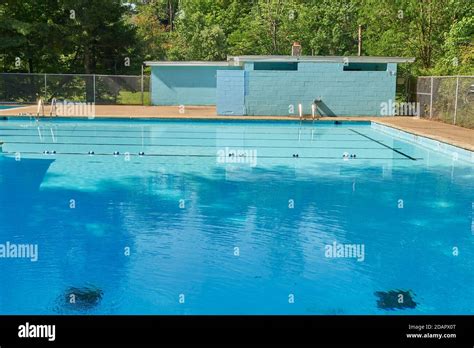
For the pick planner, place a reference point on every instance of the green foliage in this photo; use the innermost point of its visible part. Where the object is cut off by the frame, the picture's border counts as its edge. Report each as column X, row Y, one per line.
column 438, row 33
column 66, row 36
column 103, row 34
column 458, row 49
column 154, row 22
column 203, row 28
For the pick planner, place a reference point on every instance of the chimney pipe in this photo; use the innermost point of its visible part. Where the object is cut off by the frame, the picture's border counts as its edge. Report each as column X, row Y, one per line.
column 296, row 49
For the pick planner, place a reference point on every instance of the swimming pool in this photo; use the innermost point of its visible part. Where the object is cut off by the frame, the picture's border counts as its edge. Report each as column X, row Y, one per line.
column 4, row 107
column 231, row 218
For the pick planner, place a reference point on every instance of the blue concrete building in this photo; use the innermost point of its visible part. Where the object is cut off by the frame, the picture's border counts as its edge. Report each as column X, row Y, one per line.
column 277, row 85
column 185, row 83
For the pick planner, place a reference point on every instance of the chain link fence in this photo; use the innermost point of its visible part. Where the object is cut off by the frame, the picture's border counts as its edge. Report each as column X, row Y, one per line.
column 447, row 98
column 406, row 88
column 99, row 89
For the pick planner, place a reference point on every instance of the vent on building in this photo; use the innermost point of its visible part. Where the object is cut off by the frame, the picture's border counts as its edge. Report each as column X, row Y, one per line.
column 296, row 49
column 275, row 66
column 365, row 67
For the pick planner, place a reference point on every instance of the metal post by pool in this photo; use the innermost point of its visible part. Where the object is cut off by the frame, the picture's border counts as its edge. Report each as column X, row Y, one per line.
column 431, row 98
column 93, row 84
column 143, row 99
column 456, row 100
column 45, row 86
column 359, row 49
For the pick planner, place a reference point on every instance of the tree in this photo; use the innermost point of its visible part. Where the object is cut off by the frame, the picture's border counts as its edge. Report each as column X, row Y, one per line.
column 67, row 36
column 31, row 35
column 114, row 37
column 154, row 23
column 458, row 47
column 266, row 29
column 101, row 38
column 202, row 28
column 429, row 30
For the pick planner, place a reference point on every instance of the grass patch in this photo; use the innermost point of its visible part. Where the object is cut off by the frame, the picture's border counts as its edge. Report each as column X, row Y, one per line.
column 133, row 98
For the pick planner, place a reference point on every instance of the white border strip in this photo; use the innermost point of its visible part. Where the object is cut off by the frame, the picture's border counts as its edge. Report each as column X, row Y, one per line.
column 15, row 108
column 436, row 145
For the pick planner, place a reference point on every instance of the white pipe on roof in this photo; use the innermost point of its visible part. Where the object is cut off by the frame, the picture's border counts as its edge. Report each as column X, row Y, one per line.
column 238, row 60
column 332, row 59
column 185, row 63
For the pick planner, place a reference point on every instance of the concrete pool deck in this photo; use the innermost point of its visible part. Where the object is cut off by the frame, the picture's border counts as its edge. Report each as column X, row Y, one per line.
column 454, row 135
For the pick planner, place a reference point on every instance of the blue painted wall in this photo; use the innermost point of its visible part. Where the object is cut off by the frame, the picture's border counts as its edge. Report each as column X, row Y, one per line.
column 184, row 85
column 231, row 92
column 278, row 92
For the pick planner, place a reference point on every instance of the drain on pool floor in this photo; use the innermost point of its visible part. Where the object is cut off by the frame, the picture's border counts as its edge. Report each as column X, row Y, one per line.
column 395, row 299
column 84, row 298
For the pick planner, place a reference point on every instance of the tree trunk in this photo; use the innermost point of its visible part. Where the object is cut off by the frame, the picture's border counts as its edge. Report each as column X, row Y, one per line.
column 170, row 14
column 30, row 65
column 425, row 21
column 87, row 60
column 88, row 66
column 274, row 37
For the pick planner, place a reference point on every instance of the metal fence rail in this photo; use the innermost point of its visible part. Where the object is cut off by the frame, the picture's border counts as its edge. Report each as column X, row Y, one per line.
column 99, row 89
column 447, row 98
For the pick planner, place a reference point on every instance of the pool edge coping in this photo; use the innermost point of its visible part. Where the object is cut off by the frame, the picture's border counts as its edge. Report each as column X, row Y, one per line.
column 418, row 135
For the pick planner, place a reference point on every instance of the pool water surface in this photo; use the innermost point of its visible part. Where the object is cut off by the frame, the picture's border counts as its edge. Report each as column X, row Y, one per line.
column 195, row 217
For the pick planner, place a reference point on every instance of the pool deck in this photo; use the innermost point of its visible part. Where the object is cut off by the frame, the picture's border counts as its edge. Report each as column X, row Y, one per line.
column 454, row 135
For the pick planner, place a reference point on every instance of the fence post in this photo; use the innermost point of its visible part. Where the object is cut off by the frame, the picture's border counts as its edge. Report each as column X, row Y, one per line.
column 456, row 100
column 431, row 98
column 93, row 84
column 45, row 86
column 143, row 98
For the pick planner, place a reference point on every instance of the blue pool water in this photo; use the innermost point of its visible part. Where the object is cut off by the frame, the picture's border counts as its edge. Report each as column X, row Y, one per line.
column 4, row 107
column 235, row 234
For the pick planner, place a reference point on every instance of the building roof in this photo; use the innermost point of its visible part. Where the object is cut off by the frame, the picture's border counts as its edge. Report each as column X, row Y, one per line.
column 239, row 60
column 185, row 63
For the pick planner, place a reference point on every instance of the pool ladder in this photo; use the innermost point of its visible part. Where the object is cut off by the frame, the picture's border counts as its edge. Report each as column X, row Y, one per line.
column 54, row 108
column 314, row 110
column 40, row 108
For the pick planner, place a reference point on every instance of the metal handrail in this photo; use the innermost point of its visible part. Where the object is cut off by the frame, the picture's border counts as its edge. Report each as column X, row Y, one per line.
column 53, row 107
column 40, row 107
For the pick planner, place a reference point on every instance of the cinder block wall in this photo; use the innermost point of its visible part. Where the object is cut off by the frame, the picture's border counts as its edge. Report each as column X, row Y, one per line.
column 184, row 85
column 278, row 92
